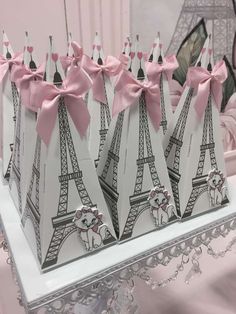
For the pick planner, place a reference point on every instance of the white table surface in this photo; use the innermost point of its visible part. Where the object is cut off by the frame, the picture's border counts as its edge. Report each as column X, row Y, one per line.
column 36, row 285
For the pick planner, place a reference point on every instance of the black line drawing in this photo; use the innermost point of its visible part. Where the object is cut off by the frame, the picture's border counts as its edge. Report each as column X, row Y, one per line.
column 32, row 207
column 63, row 222
column 199, row 183
column 8, row 171
column 163, row 123
column 15, row 175
column 16, row 158
column 110, row 190
column 139, row 200
column 15, row 102
column 105, row 120
column 176, row 143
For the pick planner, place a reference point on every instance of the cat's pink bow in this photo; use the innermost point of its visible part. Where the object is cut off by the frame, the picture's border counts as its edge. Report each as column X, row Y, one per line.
column 22, row 76
column 207, row 82
column 46, row 96
column 6, row 64
column 110, row 67
column 154, row 70
column 127, row 92
column 67, row 61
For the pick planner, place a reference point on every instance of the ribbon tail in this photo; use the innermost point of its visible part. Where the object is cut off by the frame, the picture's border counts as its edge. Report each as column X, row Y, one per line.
column 154, row 109
column 79, row 113
column 118, row 104
column 47, row 119
column 202, row 98
column 99, row 92
column 217, row 92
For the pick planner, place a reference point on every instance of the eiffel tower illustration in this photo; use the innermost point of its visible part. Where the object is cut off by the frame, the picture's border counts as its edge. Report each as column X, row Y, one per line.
column 199, row 183
column 7, row 173
column 156, row 56
column 163, row 123
column 110, row 191
column 105, row 115
column 105, row 120
column 16, row 158
column 138, row 201
column 219, row 15
column 32, row 207
column 63, row 222
column 16, row 167
column 15, row 99
column 176, row 142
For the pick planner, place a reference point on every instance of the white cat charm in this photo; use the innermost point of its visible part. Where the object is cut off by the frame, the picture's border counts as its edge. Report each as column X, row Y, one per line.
column 161, row 210
column 92, row 230
column 217, row 191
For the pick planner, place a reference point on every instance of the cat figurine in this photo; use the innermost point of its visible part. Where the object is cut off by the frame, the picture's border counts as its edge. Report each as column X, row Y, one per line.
column 217, row 191
column 90, row 227
column 161, row 210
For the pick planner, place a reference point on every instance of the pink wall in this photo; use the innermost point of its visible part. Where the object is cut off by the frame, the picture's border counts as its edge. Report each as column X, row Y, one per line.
column 39, row 18
column 110, row 18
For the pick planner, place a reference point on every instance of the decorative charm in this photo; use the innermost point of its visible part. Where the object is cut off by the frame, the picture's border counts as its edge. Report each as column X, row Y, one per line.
column 161, row 210
column 216, row 189
column 90, row 227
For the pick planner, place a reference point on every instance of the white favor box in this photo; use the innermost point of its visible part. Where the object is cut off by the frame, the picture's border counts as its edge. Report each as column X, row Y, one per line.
column 194, row 154
column 65, row 216
column 132, row 170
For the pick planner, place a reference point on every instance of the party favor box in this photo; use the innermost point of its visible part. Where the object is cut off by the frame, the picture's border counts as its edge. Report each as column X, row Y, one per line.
column 193, row 145
column 10, row 100
column 132, row 169
column 161, row 73
column 65, row 216
column 25, row 133
column 100, row 96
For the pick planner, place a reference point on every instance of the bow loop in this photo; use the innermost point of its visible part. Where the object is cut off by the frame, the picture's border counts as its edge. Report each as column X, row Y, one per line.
column 111, row 67
column 207, row 83
column 67, row 61
column 127, row 92
column 6, row 64
column 154, row 70
column 22, row 76
column 46, row 96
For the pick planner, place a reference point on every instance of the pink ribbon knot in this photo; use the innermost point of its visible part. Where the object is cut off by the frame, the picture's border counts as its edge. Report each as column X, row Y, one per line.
column 111, row 67
column 127, row 92
column 46, row 96
column 6, row 64
column 67, row 61
column 22, row 76
column 207, row 83
column 154, row 70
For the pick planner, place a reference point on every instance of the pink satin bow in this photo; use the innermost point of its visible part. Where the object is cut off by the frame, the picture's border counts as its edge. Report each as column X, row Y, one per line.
column 5, row 63
column 207, row 82
column 154, row 70
column 22, row 76
column 111, row 67
column 67, row 61
column 127, row 92
column 46, row 96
